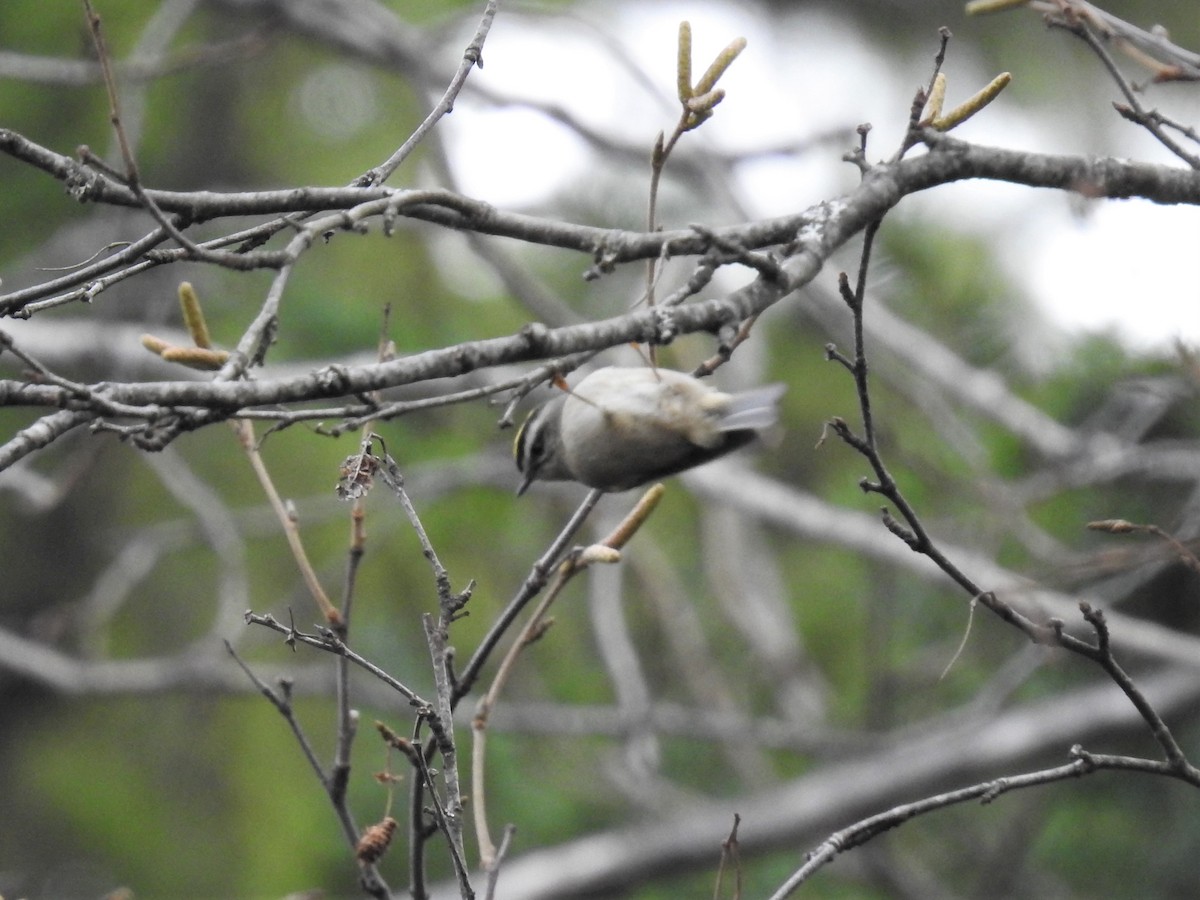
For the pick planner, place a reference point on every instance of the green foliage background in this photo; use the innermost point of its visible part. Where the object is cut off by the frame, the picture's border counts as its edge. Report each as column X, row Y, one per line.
column 205, row 795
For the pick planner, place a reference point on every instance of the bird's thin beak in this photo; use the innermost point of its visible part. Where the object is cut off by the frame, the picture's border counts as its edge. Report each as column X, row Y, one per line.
column 526, row 481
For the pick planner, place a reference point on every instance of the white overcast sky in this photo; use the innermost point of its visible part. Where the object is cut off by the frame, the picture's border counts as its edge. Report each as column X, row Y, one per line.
column 1129, row 266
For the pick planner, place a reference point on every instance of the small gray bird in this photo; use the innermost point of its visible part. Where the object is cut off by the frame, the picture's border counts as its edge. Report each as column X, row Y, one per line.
column 623, row 427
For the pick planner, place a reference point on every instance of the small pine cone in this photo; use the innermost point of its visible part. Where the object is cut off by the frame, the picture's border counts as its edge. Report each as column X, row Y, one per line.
column 374, row 841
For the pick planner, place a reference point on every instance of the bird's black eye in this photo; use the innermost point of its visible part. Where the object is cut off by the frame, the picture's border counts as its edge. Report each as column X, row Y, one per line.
column 537, row 447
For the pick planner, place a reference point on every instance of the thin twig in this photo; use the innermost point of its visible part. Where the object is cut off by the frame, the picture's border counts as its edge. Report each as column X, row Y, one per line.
column 1134, row 110
column 472, row 57
column 450, row 812
column 332, row 783
column 289, row 522
column 133, row 177
column 443, row 818
column 860, row 832
column 607, row 550
column 331, row 643
column 529, row 589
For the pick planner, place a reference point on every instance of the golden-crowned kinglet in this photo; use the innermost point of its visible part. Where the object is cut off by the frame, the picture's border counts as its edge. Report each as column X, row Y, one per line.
column 622, row 427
